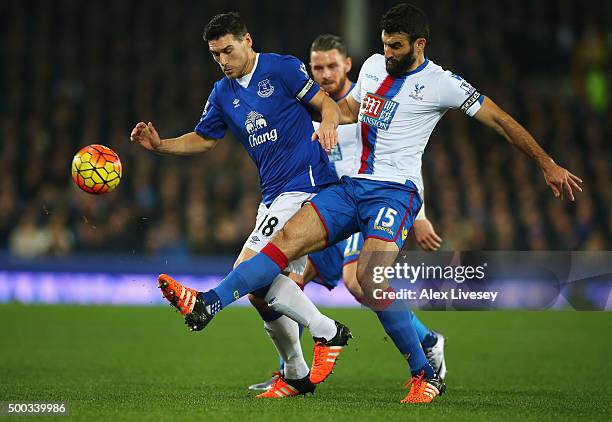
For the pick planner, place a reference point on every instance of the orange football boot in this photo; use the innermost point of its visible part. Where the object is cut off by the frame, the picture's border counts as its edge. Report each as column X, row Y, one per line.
column 288, row 388
column 423, row 390
column 181, row 297
column 326, row 352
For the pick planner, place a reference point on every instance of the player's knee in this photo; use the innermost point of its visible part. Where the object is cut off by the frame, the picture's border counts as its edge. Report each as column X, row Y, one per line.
column 300, row 235
column 360, row 275
column 309, row 274
column 288, row 241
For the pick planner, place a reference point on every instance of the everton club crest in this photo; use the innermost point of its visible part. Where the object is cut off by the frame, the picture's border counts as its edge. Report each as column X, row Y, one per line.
column 265, row 89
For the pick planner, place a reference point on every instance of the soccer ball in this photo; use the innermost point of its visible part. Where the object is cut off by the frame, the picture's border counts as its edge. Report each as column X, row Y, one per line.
column 96, row 169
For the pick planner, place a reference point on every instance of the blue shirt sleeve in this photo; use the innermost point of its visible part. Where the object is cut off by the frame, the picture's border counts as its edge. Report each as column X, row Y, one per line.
column 295, row 77
column 212, row 123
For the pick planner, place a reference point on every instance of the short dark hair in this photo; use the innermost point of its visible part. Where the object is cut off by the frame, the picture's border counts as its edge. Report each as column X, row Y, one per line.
column 326, row 42
column 223, row 24
column 408, row 19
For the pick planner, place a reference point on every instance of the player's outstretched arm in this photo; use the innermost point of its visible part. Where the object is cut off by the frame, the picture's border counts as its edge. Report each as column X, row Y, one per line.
column 187, row 144
column 557, row 178
column 330, row 117
column 349, row 110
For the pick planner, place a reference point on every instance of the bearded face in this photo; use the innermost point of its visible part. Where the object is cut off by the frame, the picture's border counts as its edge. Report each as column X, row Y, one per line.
column 399, row 53
column 397, row 66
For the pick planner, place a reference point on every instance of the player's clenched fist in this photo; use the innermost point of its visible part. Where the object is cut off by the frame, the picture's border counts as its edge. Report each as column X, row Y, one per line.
column 146, row 135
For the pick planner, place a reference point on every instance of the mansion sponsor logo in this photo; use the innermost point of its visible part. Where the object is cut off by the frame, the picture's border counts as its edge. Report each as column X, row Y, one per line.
column 377, row 111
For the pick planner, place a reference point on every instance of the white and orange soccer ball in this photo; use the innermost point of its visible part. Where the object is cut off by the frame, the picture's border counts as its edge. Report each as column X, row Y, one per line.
column 96, row 169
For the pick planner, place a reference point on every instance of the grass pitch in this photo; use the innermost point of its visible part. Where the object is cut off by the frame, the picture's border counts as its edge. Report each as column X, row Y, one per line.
column 120, row 363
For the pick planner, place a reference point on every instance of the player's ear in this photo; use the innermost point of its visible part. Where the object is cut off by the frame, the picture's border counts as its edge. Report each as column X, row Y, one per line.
column 419, row 44
column 348, row 64
column 247, row 38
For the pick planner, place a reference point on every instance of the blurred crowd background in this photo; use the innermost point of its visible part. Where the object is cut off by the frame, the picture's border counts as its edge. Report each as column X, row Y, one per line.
column 75, row 73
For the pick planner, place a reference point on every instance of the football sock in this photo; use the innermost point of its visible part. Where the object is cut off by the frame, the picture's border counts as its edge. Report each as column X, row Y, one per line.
column 396, row 319
column 270, row 315
column 281, row 362
column 212, row 301
column 422, row 331
column 250, row 275
column 285, row 334
column 430, row 340
column 286, row 297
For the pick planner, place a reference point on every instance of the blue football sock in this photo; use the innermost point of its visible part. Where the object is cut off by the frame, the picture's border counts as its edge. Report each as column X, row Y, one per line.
column 250, row 275
column 397, row 323
column 212, row 299
column 422, row 331
column 430, row 340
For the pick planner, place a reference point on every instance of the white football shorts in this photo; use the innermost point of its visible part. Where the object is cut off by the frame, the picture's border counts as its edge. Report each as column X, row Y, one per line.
column 273, row 218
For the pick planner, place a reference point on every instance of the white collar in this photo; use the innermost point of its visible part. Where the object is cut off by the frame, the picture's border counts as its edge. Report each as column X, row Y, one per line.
column 244, row 81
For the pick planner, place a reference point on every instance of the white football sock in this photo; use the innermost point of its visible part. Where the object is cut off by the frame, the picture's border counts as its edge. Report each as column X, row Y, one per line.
column 285, row 334
column 286, row 297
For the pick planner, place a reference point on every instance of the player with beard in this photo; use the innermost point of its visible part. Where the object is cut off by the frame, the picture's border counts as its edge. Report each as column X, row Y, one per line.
column 398, row 100
column 329, row 66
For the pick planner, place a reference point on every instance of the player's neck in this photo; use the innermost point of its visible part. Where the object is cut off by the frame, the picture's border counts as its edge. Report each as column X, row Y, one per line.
column 419, row 61
column 345, row 90
column 251, row 59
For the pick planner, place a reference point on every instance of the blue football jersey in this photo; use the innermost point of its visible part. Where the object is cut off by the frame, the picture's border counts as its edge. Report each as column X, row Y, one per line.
column 269, row 117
